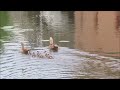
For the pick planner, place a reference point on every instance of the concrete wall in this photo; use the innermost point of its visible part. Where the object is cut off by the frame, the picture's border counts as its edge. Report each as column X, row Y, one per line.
column 96, row 31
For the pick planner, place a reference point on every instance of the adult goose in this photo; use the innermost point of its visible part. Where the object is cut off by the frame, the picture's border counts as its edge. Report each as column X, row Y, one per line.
column 53, row 46
column 24, row 50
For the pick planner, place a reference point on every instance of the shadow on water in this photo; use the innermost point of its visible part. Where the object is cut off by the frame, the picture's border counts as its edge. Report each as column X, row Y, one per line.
column 34, row 28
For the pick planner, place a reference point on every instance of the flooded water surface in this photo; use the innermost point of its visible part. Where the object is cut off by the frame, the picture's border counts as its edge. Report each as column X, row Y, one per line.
column 89, row 45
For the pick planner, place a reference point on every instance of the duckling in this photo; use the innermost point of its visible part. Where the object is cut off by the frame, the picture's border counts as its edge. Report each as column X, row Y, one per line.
column 24, row 50
column 46, row 53
column 52, row 46
column 29, row 53
column 33, row 54
column 50, row 57
column 40, row 55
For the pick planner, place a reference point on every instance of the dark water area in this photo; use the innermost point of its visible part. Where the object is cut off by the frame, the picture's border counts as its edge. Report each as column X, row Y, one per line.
column 73, row 60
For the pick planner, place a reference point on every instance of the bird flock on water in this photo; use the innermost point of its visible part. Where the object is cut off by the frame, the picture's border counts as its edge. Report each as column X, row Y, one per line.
column 53, row 47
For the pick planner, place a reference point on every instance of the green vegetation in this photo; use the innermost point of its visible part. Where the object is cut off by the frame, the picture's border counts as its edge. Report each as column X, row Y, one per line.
column 4, row 20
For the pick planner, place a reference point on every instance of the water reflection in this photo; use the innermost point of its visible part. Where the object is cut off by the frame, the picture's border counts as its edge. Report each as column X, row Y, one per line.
column 34, row 29
column 4, row 35
column 60, row 26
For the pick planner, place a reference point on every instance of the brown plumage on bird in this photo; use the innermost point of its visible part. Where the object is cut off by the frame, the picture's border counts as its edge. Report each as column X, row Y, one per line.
column 52, row 46
column 24, row 50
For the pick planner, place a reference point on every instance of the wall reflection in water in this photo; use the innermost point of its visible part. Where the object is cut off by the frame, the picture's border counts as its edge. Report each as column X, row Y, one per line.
column 98, row 31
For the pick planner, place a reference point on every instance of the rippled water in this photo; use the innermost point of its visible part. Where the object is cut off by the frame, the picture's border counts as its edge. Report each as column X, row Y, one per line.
column 68, row 62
